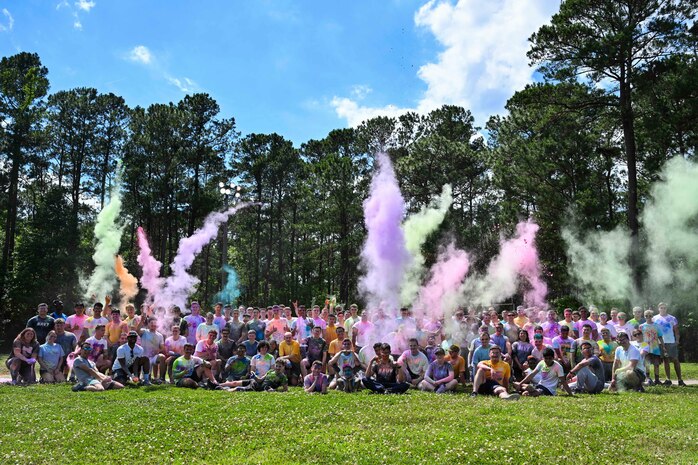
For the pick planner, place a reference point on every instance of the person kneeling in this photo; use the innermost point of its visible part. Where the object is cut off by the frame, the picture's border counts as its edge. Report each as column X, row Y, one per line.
column 492, row 377
column 439, row 376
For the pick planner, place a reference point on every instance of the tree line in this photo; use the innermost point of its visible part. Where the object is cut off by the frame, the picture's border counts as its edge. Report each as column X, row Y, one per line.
column 616, row 99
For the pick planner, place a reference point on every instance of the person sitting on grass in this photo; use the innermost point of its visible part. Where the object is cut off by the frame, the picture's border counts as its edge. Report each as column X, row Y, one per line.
column 153, row 344
column 414, row 362
column 590, row 372
column 237, row 368
column 89, row 378
column 51, row 357
column 521, row 350
column 25, row 351
column 189, row 370
column 551, row 374
column 492, row 376
column 628, row 372
column 316, row 381
column 384, row 376
column 439, row 376
column 272, row 381
column 607, row 351
column 66, row 340
column 130, row 361
column 345, row 364
column 262, row 361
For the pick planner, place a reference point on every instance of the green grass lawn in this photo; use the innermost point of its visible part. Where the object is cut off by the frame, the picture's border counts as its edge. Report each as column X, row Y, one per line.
column 51, row 424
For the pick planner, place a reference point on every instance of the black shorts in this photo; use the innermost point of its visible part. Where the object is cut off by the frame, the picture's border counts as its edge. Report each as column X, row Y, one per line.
column 543, row 391
column 120, row 374
column 487, row 388
column 194, row 376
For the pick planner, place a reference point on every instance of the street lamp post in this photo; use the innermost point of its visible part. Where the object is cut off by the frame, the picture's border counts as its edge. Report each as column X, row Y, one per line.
column 228, row 191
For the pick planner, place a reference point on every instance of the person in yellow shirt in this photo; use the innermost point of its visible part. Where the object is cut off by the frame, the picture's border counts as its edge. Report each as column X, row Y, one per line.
column 331, row 329
column 458, row 363
column 290, row 352
column 114, row 329
column 520, row 319
column 492, row 377
column 336, row 344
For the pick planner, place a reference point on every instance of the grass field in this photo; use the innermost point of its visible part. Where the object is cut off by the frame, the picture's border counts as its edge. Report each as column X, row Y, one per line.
column 51, row 424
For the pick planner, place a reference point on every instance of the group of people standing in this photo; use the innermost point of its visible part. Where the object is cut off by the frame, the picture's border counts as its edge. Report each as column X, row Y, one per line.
column 527, row 352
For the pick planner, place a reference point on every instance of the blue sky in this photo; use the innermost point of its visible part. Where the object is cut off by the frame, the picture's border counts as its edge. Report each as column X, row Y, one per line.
column 299, row 69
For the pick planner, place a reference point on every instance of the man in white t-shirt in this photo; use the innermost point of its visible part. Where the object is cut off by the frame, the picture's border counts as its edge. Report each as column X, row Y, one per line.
column 204, row 328
column 414, row 363
column 628, row 372
column 153, row 344
column 551, row 373
column 100, row 349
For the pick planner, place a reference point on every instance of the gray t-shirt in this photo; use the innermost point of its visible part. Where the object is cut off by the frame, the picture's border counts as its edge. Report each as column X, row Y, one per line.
column 83, row 376
column 235, row 329
column 596, row 367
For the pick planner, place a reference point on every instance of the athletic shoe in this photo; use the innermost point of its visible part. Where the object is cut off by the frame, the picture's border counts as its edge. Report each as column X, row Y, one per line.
column 640, row 389
column 513, row 396
column 681, row 383
column 146, row 382
column 650, row 382
column 473, row 394
column 667, row 382
column 78, row 387
column 158, row 381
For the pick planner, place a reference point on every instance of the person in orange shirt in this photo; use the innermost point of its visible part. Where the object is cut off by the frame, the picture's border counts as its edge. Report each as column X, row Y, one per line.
column 290, row 352
column 336, row 343
column 331, row 329
column 492, row 377
column 114, row 329
column 458, row 363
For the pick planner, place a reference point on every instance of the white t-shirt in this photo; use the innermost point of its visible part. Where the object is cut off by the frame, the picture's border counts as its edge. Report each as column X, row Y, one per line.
column 203, row 329
column 417, row 364
column 175, row 346
column 124, row 352
column 549, row 375
column 626, row 357
column 364, row 331
column 91, row 323
column 151, row 342
column 609, row 326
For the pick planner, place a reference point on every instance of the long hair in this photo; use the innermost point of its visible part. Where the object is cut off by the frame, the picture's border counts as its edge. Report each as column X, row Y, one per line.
column 20, row 337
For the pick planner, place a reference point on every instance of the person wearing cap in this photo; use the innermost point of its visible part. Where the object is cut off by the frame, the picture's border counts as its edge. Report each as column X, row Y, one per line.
column 589, row 372
column 440, row 376
column 458, row 363
column 41, row 323
column 189, row 370
column 130, row 361
column 317, row 350
column 89, row 378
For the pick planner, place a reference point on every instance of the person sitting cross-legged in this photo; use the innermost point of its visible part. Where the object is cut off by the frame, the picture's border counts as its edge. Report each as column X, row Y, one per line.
column 439, row 377
column 130, row 361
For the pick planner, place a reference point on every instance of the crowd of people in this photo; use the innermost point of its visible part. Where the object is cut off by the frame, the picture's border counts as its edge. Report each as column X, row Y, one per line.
column 508, row 354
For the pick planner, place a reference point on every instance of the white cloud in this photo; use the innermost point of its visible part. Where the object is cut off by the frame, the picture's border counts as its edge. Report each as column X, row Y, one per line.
column 185, row 84
column 484, row 57
column 77, row 24
column 140, row 54
column 85, row 5
column 360, row 91
column 63, row 4
column 355, row 114
column 10, row 21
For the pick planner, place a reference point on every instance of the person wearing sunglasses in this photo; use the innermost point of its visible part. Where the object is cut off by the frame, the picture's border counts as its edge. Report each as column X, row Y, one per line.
column 130, row 361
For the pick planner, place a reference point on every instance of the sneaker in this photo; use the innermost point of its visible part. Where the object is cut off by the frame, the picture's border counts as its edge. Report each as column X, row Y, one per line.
column 473, row 394
column 158, row 381
column 681, row 383
column 650, row 382
column 667, row 382
column 640, row 389
column 78, row 387
column 146, row 382
column 513, row 396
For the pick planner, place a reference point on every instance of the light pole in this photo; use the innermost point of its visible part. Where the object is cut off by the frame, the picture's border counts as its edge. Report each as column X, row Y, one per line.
column 228, row 191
